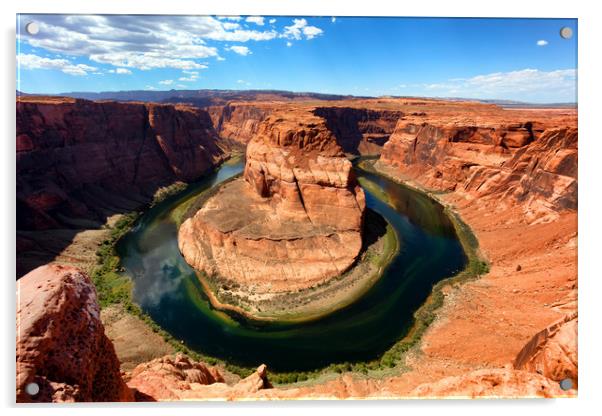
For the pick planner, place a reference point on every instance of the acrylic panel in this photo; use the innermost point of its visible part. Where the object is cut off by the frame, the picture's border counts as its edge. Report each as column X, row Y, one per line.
column 285, row 207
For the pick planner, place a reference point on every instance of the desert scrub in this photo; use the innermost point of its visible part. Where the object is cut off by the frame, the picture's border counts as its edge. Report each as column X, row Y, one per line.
column 111, row 286
column 166, row 191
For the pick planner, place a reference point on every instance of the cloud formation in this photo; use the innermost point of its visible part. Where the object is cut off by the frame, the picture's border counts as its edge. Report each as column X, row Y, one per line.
column 120, row 71
column 241, row 50
column 542, row 42
column 258, row 20
column 142, row 42
column 301, row 28
column 192, row 76
column 30, row 61
column 522, row 84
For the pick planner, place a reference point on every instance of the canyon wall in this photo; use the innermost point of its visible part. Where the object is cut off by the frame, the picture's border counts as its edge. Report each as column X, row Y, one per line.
column 527, row 163
column 237, row 122
column 357, row 130
column 79, row 161
column 293, row 222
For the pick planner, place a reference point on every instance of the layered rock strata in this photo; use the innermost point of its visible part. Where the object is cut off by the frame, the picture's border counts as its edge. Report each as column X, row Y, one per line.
column 79, row 161
column 533, row 168
column 295, row 219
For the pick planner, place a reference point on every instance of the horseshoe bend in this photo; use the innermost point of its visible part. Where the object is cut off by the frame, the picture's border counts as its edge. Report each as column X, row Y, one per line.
column 298, row 233
column 292, row 222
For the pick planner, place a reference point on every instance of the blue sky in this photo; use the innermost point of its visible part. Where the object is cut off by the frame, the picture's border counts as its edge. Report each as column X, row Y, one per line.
column 518, row 59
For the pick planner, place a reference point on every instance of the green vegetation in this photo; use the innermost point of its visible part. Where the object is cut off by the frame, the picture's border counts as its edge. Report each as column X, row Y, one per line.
column 112, row 287
column 166, row 191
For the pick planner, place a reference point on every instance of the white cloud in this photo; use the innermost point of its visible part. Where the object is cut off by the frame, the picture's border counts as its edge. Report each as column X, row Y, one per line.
column 300, row 28
column 149, row 87
column 192, row 76
column 219, row 58
column 235, row 18
column 30, row 61
column 526, row 84
column 230, row 25
column 542, row 42
column 272, row 21
column 241, row 50
column 289, row 43
column 123, row 71
column 333, row 19
column 142, row 42
column 258, row 20
column 166, row 82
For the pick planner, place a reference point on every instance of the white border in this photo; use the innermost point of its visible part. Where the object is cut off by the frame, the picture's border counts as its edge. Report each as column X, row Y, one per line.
column 590, row 187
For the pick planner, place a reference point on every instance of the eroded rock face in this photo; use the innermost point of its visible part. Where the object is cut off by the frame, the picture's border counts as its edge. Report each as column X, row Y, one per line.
column 180, row 378
column 522, row 163
column 492, row 383
column 238, row 121
column 79, row 161
column 292, row 222
column 61, row 344
column 553, row 351
column 360, row 130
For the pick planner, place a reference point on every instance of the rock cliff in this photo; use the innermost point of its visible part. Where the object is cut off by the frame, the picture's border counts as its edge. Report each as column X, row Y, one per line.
column 293, row 222
column 80, row 161
column 238, row 121
column 61, row 345
column 525, row 164
column 360, row 130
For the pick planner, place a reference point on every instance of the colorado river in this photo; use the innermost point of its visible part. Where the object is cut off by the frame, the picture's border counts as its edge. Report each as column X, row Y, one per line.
column 166, row 287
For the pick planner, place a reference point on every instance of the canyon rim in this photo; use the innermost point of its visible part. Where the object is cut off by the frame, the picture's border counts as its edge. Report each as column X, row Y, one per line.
column 231, row 244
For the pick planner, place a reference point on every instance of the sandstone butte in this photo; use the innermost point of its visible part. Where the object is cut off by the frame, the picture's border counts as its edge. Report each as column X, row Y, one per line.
column 511, row 174
column 295, row 219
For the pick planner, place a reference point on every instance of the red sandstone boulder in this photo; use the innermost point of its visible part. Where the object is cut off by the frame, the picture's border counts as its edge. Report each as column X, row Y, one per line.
column 61, row 344
column 553, row 351
column 180, row 378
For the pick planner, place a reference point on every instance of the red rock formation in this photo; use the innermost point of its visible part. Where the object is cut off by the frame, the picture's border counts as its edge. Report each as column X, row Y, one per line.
column 180, row 378
column 496, row 383
column 239, row 121
column 296, row 219
column 359, row 130
column 79, row 159
column 533, row 168
column 552, row 352
column 61, row 345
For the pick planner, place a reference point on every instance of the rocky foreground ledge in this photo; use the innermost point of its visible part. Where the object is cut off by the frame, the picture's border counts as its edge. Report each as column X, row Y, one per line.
column 63, row 349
